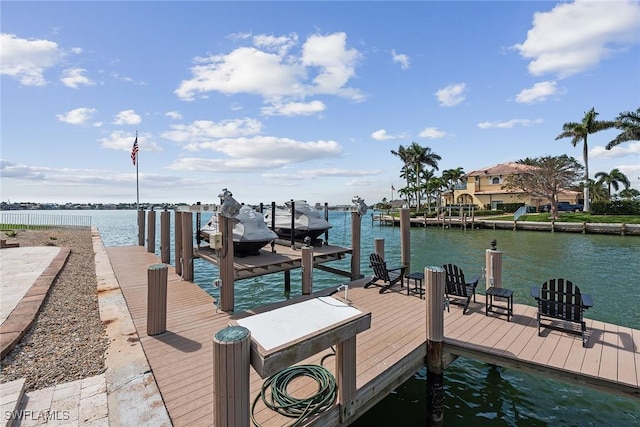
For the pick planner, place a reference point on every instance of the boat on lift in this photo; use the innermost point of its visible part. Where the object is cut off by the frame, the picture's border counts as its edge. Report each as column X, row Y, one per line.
column 250, row 232
column 307, row 221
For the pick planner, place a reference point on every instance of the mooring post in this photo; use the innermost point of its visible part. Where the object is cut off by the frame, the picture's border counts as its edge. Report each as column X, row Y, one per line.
column 378, row 245
column 151, row 231
column 493, row 266
column 434, row 288
column 231, row 365
column 326, row 218
column 141, row 227
column 227, row 290
column 187, row 246
column 157, row 299
column 178, row 242
column 287, row 283
column 346, row 376
column 307, row 270
column 165, row 236
column 356, row 221
column 405, row 241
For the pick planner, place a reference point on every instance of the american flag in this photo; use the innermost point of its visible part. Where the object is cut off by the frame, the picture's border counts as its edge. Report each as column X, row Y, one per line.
column 134, row 151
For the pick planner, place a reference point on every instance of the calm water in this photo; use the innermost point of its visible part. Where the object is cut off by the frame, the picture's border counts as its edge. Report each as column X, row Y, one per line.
column 476, row 394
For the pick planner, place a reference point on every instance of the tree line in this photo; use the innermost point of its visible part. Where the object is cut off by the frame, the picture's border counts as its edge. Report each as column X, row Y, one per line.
column 552, row 173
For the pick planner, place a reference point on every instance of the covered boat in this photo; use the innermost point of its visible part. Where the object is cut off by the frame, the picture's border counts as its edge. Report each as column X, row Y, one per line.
column 307, row 221
column 250, row 232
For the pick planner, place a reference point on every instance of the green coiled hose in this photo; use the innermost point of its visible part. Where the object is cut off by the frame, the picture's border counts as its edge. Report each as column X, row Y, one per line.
column 275, row 396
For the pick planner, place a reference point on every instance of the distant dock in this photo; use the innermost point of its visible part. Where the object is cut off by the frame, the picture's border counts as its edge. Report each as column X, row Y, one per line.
column 487, row 223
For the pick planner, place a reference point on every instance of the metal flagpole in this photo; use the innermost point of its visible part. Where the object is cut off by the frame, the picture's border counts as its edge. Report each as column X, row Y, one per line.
column 137, row 181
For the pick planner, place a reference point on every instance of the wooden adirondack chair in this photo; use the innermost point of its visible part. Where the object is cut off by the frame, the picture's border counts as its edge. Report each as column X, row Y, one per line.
column 560, row 299
column 389, row 276
column 456, row 286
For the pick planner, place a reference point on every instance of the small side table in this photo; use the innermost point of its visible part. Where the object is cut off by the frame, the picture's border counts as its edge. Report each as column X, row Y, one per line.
column 492, row 293
column 417, row 278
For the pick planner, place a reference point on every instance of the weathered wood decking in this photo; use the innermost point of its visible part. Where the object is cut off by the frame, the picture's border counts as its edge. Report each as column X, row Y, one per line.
column 390, row 352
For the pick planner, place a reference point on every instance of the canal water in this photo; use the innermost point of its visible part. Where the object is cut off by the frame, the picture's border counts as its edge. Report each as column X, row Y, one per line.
column 477, row 394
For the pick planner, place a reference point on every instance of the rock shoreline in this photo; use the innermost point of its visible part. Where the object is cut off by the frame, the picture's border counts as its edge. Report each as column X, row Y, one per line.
column 68, row 340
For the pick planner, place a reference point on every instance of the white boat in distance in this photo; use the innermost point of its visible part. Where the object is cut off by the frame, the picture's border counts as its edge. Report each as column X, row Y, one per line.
column 307, row 221
column 250, row 232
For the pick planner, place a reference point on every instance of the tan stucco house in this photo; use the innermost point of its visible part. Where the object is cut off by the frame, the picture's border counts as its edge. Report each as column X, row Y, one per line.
column 484, row 188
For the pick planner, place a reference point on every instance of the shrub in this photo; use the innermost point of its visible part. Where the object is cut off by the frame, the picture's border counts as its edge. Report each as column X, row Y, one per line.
column 616, row 207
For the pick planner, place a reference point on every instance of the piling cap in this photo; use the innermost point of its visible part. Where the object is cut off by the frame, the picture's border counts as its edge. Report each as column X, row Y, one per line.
column 231, row 333
column 493, row 244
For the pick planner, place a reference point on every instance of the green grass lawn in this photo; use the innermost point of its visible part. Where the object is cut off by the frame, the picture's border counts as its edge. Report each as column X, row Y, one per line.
column 574, row 217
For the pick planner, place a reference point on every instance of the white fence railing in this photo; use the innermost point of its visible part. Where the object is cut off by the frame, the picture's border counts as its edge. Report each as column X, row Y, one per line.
column 39, row 220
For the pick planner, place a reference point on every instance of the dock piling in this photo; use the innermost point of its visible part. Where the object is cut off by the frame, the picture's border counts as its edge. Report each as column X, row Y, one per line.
column 493, row 267
column 141, row 227
column 178, row 243
column 165, row 237
column 187, row 246
column 307, row 270
column 151, row 231
column 157, row 299
column 378, row 244
column 227, row 291
column 405, row 238
column 356, row 221
column 231, row 367
column 434, row 287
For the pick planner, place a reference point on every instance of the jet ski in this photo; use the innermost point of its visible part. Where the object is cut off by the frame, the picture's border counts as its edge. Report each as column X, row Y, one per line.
column 307, row 221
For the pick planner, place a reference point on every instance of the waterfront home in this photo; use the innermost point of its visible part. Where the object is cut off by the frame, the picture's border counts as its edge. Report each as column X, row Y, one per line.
column 485, row 188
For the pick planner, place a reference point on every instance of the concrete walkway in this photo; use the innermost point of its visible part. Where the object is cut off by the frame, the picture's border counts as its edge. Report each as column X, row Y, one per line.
column 125, row 395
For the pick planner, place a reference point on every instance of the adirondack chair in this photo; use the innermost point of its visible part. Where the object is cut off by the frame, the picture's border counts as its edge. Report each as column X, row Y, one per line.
column 388, row 276
column 560, row 299
column 456, row 286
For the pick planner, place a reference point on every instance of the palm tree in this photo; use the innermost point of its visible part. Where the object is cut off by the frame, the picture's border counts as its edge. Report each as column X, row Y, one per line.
column 405, row 156
column 613, row 179
column 629, row 123
column 629, row 193
column 579, row 132
column 421, row 156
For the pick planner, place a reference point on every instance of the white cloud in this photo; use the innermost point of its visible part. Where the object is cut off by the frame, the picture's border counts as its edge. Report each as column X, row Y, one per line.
column 293, row 109
column 631, row 148
column 175, row 115
column 451, row 95
column 73, row 77
column 77, row 116
column 401, row 59
column 509, row 124
column 576, row 36
column 256, row 153
column 27, row 60
column 432, row 133
column 382, row 135
column 322, row 173
column 123, row 141
column 127, row 117
column 537, row 93
column 272, row 70
column 205, row 130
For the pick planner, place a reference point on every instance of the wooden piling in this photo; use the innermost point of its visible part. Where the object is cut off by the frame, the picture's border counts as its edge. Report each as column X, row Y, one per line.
column 493, row 268
column 307, row 270
column 434, row 289
column 378, row 244
column 141, row 227
column 151, row 231
column 227, row 290
column 187, row 246
column 231, row 366
column 178, row 243
column 346, row 376
column 165, row 236
column 356, row 221
column 157, row 299
column 405, row 240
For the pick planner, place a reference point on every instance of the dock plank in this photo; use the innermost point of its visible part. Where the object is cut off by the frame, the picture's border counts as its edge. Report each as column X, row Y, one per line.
column 387, row 354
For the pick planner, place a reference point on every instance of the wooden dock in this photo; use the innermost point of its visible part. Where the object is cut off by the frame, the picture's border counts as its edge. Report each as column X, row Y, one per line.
column 388, row 353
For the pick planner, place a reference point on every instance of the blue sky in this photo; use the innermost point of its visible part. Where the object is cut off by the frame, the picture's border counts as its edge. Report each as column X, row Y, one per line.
column 302, row 100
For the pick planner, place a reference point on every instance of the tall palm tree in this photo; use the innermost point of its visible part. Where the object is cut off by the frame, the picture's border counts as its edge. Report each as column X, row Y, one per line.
column 629, row 123
column 405, row 156
column 578, row 132
column 421, row 156
column 613, row 179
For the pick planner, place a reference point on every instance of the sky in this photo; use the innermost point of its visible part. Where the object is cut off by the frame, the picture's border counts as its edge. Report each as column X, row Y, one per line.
column 300, row 100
